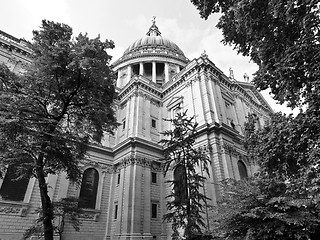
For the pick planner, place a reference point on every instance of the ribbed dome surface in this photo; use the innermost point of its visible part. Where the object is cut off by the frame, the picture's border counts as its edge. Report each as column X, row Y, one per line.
column 153, row 42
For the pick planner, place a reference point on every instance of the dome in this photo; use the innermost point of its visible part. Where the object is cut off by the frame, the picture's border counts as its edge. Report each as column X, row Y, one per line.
column 157, row 42
column 153, row 45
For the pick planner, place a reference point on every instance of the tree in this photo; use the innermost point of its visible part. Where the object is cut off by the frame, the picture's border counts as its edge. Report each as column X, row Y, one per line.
column 282, row 37
column 66, row 209
column 187, row 202
column 281, row 201
column 51, row 112
column 264, row 208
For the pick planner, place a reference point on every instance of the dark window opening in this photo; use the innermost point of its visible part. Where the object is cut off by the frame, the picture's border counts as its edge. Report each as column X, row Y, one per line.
column 154, row 177
column 242, row 170
column 13, row 188
column 147, row 67
column 232, row 125
column 123, row 124
column 154, row 210
column 89, row 188
column 160, row 73
column 153, row 123
column 116, row 211
column 136, row 69
column 118, row 178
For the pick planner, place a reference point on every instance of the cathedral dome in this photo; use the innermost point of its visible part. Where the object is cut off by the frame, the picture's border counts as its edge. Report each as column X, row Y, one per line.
column 156, row 42
column 153, row 45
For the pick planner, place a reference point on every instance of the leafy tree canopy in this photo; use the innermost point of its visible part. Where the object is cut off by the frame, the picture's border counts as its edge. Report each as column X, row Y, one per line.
column 62, row 102
column 281, row 201
column 282, row 37
column 187, row 202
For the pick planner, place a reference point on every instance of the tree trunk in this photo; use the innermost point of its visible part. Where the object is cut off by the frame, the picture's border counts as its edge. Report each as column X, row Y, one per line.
column 45, row 202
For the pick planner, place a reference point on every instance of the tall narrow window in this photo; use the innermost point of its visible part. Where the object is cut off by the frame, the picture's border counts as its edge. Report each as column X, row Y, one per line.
column 89, row 188
column 115, row 211
column 154, row 177
column 13, row 188
column 242, row 170
column 153, row 123
column 119, row 177
column 123, row 124
column 180, row 185
column 154, row 210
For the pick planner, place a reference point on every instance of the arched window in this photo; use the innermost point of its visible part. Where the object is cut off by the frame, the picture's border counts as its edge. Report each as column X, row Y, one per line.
column 89, row 188
column 180, row 185
column 242, row 170
column 13, row 188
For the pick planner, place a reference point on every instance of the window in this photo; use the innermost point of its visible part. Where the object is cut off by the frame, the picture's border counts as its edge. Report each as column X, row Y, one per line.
column 153, row 123
column 154, row 177
column 123, row 124
column 89, row 188
column 242, row 170
column 176, row 110
column 116, row 211
column 232, row 124
column 154, row 210
column 13, row 188
column 180, row 185
column 118, row 182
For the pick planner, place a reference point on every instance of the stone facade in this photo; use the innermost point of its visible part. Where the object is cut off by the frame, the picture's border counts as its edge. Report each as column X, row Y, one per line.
column 155, row 80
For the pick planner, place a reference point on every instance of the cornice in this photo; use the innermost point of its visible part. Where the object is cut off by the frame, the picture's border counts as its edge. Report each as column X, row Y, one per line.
column 151, row 53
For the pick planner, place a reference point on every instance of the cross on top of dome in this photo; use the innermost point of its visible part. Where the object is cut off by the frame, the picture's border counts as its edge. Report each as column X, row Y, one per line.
column 153, row 30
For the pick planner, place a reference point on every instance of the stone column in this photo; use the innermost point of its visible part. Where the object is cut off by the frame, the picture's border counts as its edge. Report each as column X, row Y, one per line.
column 141, row 70
column 166, row 72
column 129, row 74
column 178, row 68
column 154, row 72
column 118, row 79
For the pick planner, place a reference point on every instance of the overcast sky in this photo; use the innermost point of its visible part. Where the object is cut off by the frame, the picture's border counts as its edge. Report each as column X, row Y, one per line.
column 124, row 21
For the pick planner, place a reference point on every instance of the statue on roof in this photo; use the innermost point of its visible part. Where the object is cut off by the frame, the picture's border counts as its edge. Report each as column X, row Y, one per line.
column 153, row 30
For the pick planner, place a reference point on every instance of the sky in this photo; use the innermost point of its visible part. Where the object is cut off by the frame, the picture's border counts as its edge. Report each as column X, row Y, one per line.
column 124, row 21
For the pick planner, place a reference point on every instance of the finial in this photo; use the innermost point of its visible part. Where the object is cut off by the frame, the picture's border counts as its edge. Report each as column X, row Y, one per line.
column 246, row 77
column 153, row 30
column 204, row 54
column 231, row 73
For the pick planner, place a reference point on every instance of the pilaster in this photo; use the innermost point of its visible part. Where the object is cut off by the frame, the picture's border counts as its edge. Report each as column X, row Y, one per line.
column 197, row 98
column 147, row 202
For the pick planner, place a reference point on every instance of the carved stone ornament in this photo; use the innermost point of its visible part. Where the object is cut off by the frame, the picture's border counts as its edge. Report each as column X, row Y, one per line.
column 18, row 209
column 90, row 215
column 141, row 161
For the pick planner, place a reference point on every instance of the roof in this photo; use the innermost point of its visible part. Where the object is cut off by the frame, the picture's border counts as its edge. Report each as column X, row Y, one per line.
column 153, row 44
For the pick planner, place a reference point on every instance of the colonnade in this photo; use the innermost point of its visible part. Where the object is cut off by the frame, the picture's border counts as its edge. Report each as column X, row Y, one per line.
column 155, row 74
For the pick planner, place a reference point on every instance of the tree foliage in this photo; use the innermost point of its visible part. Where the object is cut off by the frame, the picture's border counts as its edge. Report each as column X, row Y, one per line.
column 282, row 37
column 62, row 102
column 187, row 201
column 281, row 201
column 65, row 210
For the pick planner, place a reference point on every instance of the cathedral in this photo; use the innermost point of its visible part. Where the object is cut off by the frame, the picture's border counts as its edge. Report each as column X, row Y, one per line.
column 123, row 185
